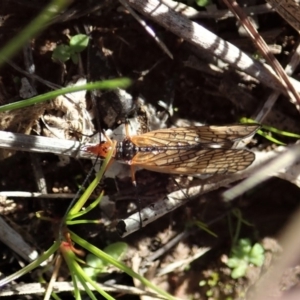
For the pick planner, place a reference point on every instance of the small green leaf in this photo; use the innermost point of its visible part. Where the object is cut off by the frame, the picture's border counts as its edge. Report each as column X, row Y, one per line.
column 242, row 254
column 245, row 245
column 61, row 53
column 202, row 283
column 257, row 249
column 203, row 3
column 213, row 281
column 239, row 271
column 74, row 57
column 257, row 255
column 233, row 262
column 79, row 42
column 242, row 248
column 257, row 261
column 116, row 250
column 95, row 266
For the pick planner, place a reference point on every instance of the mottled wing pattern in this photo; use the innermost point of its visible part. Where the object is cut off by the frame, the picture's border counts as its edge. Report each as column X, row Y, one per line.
column 186, row 136
column 180, row 161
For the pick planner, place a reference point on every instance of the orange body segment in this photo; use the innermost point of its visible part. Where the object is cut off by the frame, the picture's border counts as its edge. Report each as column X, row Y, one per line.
column 100, row 150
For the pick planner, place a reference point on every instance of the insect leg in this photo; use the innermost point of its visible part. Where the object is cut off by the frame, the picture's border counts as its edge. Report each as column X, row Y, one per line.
column 133, row 175
column 139, row 203
column 127, row 130
column 107, row 138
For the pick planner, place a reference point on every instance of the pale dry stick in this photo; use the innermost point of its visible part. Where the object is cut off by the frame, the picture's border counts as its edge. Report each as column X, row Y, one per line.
column 30, row 143
column 221, row 14
column 58, row 287
column 15, row 241
column 289, row 10
column 206, row 41
column 263, row 47
column 182, row 264
column 53, row 279
column 175, row 240
column 147, row 28
column 165, row 248
column 289, row 69
column 178, row 198
column 135, row 265
column 262, row 172
column 35, row 195
column 22, row 142
column 172, row 201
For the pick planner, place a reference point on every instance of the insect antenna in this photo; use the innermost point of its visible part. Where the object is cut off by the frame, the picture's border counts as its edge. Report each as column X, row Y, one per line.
column 88, row 176
column 139, row 203
column 76, row 197
column 180, row 188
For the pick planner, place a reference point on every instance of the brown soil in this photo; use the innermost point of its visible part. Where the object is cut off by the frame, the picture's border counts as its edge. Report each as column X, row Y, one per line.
column 197, row 97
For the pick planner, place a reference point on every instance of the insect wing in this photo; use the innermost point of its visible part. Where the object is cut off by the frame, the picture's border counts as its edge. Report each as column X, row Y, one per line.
column 187, row 136
column 233, row 133
column 211, row 161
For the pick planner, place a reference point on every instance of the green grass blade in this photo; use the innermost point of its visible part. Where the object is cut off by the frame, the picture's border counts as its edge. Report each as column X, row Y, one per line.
column 31, row 266
column 110, row 260
column 105, row 84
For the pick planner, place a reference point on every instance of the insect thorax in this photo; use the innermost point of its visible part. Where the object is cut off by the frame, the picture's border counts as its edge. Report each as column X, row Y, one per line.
column 125, row 150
